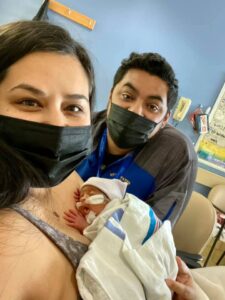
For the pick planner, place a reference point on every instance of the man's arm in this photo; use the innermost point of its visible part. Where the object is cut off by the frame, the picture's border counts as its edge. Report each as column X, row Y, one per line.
column 169, row 200
column 173, row 163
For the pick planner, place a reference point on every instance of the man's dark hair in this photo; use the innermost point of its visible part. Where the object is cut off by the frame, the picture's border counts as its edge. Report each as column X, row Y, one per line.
column 154, row 64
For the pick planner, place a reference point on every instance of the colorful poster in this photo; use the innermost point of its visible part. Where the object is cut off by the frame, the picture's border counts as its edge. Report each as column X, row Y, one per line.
column 211, row 146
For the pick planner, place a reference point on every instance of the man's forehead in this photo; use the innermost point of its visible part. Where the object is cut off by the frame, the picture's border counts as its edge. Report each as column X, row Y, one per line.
column 137, row 80
column 135, row 75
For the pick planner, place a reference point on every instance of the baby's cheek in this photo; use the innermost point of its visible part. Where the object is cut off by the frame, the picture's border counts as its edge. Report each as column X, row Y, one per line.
column 92, row 207
column 99, row 208
column 96, row 208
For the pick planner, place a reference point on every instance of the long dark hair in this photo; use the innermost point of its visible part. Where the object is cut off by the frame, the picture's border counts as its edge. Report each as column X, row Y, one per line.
column 17, row 40
column 17, row 177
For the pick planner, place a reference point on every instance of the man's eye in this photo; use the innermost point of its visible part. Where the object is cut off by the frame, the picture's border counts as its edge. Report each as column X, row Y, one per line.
column 126, row 96
column 153, row 108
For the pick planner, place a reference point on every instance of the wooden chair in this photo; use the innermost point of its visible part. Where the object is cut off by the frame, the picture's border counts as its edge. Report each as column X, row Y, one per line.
column 217, row 198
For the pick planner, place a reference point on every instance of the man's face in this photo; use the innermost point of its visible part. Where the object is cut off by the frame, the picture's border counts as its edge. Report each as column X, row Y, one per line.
column 143, row 94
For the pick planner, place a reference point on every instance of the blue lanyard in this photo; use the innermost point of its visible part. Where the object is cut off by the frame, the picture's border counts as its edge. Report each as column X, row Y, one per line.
column 170, row 211
column 127, row 160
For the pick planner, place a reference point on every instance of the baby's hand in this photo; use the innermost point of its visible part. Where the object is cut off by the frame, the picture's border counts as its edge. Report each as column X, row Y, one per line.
column 76, row 195
column 75, row 219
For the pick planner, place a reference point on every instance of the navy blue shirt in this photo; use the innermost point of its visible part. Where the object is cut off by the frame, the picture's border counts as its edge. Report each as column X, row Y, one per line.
column 161, row 172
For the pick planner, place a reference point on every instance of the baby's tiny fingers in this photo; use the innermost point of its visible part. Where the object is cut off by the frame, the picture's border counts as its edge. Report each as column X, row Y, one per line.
column 73, row 212
column 68, row 214
column 69, row 219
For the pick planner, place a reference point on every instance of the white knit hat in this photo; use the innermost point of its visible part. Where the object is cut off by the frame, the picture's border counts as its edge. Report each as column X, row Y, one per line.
column 113, row 188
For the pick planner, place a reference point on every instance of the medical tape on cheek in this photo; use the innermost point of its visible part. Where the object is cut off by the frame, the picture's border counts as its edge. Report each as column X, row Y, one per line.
column 95, row 199
column 90, row 217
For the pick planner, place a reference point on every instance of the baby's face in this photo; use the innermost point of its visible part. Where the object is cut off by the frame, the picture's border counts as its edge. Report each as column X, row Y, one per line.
column 86, row 192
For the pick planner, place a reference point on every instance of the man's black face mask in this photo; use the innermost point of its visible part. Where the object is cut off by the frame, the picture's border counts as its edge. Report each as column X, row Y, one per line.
column 52, row 151
column 127, row 129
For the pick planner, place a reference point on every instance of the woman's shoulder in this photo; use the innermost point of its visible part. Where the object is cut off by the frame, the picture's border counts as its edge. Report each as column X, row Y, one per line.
column 31, row 265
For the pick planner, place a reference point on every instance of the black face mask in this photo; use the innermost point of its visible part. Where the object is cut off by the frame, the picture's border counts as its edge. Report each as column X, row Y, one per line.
column 52, row 151
column 127, row 129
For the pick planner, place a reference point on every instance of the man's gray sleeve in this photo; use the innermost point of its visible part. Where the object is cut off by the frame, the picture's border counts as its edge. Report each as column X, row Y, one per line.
column 169, row 200
column 172, row 160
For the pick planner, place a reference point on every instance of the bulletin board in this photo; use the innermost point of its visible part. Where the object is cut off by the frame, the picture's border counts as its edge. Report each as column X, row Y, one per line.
column 210, row 146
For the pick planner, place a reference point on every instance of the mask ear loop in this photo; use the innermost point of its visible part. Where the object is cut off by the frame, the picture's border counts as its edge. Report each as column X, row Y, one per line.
column 109, row 104
column 164, row 124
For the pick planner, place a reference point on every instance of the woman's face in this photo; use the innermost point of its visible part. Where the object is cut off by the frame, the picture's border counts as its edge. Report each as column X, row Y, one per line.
column 48, row 88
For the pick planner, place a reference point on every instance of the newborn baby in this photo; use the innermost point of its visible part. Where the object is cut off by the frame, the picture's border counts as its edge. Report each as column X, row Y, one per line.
column 92, row 198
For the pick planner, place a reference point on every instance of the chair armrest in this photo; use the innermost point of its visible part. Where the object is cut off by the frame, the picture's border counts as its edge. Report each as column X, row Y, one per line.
column 194, row 256
column 190, row 259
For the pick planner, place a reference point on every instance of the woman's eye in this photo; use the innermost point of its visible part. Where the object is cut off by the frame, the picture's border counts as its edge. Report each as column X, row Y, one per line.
column 74, row 108
column 30, row 102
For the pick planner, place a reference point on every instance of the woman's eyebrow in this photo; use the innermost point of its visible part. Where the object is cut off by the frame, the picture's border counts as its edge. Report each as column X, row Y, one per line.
column 38, row 92
column 76, row 97
column 29, row 88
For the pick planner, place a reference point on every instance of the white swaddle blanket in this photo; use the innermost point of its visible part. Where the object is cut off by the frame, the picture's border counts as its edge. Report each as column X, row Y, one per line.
column 122, row 261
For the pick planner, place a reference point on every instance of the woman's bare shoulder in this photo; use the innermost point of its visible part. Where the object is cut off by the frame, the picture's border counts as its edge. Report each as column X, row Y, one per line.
column 32, row 267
